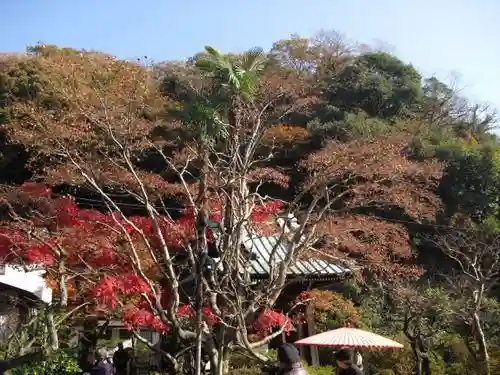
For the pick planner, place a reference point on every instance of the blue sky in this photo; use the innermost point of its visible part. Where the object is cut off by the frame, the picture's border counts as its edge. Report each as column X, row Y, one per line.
column 437, row 36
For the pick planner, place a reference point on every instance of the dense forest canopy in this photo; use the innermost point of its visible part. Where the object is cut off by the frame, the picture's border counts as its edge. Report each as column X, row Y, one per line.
column 413, row 168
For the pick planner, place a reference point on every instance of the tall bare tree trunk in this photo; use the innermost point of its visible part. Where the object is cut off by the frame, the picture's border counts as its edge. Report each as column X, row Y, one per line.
column 483, row 345
column 221, row 366
column 199, row 318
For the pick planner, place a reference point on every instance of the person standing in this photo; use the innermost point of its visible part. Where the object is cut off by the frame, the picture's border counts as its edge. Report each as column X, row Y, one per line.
column 120, row 360
column 103, row 366
column 345, row 366
column 289, row 361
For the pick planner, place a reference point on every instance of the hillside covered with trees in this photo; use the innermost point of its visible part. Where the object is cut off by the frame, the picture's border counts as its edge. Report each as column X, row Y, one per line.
column 111, row 168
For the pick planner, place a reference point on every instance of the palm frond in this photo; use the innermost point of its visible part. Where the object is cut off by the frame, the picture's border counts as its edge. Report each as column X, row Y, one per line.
column 218, row 66
column 253, row 60
column 233, row 74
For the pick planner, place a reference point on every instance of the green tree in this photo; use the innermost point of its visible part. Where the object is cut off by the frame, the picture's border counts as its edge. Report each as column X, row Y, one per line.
column 378, row 83
column 471, row 183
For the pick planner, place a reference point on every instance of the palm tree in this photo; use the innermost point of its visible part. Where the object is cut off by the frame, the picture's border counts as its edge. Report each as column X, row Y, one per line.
column 239, row 73
column 209, row 113
column 207, row 109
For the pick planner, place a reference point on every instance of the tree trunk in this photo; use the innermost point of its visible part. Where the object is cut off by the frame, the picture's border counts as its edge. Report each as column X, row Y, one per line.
column 426, row 364
column 221, row 366
column 483, row 346
column 418, row 346
column 199, row 319
column 52, row 331
column 422, row 358
column 418, row 357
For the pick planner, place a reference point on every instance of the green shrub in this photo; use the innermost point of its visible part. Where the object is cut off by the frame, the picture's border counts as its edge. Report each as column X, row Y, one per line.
column 59, row 363
column 438, row 365
column 388, row 362
column 330, row 129
column 361, row 126
column 245, row 371
column 354, row 126
column 385, row 372
column 321, row 370
column 420, row 149
column 255, row 370
column 242, row 360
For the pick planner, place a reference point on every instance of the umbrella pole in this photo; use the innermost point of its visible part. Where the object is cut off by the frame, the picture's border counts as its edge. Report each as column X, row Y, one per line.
column 300, row 331
column 358, row 359
column 311, row 331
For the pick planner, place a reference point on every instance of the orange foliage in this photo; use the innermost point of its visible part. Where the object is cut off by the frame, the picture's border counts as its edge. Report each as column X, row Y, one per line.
column 262, row 175
column 378, row 245
column 378, row 173
column 69, row 101
column 79, row 91
column 285, row 134
column 112, row 175
column 288, row 90
column 326, row 302
column 53, row 284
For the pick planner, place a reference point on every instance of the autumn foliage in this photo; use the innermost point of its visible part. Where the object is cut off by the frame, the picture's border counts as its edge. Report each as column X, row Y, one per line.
column 146, row 177
column 90, row 251
column 379, row 173
column 326, row 302
column 285, row 134
column 69, row 83
column 380, row 247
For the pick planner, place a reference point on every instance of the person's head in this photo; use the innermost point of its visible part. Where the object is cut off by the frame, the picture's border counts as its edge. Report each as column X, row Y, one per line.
column 343, row 357
column 120, row 345
column 288, row 355
column 101, row 354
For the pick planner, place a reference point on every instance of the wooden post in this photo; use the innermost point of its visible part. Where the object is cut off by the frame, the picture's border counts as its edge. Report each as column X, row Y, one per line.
column 300, row 333
column 310, row 332
column 115, row 335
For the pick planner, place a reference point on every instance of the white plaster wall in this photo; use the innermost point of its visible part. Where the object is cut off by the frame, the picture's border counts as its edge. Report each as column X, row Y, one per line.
column 31, row 281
